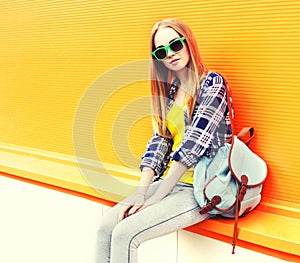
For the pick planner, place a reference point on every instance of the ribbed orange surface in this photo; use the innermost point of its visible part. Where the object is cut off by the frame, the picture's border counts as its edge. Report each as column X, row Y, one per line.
column 51, row 52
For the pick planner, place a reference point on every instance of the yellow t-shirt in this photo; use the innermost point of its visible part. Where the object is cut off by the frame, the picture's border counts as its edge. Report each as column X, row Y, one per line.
column 176, row 126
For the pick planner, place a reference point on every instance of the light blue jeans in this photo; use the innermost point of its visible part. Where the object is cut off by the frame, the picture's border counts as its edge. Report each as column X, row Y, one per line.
column 118, row 241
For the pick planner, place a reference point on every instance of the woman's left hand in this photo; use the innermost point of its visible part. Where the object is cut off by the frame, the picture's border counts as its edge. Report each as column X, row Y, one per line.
column 132, row 205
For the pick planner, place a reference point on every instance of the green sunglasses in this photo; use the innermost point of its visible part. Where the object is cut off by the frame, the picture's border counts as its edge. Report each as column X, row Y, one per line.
column 162, row 52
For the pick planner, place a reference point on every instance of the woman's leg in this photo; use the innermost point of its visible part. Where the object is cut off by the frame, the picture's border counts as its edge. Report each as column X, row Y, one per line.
column 176, row 211
column 106, row 227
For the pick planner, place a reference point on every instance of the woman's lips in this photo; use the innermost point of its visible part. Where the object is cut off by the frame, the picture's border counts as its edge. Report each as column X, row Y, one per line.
column 174, row 61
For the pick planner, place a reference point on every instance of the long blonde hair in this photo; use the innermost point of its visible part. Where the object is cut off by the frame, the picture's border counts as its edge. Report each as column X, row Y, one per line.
column 161, row 77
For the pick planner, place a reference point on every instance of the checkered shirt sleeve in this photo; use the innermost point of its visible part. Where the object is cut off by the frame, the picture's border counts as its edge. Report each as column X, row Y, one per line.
column 208, row 114
column 157, row 155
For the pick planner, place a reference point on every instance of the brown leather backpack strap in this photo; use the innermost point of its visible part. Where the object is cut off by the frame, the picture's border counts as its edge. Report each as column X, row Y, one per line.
column 235, row 228
column 246, row 131
column 229, row 105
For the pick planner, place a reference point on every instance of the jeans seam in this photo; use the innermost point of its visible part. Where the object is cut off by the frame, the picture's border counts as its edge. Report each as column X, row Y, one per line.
column 162, row 222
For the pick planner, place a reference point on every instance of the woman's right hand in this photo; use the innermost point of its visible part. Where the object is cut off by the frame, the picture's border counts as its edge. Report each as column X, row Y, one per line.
column 132, row 205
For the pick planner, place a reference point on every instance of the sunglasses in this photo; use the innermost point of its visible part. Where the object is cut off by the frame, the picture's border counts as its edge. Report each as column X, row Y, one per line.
column 162, row 52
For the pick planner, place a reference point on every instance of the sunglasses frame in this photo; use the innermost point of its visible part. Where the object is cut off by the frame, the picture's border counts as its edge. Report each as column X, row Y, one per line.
column 167, row 47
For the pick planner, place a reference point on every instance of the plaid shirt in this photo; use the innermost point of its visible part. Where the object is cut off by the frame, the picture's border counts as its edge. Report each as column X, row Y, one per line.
column 210, row 127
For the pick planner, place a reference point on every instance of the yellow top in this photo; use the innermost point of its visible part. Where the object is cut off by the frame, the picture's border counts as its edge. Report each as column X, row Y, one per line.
column 176, row 126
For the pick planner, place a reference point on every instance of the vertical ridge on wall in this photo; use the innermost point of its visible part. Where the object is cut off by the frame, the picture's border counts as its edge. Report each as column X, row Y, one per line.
column 52, row 51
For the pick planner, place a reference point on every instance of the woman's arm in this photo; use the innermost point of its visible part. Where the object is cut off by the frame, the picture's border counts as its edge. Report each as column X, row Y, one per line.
column 157, row 156
column 153, row 164
column 175, row 172
column 198, row 136
column 138, row 198
column 145, row 180
column 208, row 114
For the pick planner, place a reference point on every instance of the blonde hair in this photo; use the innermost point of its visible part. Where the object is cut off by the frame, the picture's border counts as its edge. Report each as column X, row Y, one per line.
column 161, row 77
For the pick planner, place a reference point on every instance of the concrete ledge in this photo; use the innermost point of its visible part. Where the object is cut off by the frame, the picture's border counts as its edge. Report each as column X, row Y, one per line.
column 273, row 228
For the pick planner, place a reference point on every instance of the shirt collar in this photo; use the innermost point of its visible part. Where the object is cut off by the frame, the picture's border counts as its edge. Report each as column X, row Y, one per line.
column 174, row 86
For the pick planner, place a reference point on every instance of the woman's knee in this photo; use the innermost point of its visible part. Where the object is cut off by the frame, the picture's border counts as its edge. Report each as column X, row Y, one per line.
column 104, row 230
column 124, row 235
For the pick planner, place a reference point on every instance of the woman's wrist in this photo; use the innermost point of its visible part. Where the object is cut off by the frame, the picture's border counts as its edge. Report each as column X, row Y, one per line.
column 146, row 179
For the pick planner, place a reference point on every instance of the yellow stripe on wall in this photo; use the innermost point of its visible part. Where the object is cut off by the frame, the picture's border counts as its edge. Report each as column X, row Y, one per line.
column 52, row 51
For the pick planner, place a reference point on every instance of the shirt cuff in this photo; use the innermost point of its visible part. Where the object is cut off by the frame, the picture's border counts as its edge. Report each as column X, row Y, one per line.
column 186, row 158
column 148, row 162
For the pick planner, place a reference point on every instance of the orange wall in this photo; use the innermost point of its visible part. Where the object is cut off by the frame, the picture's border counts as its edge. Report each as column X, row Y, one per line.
column 51, row 53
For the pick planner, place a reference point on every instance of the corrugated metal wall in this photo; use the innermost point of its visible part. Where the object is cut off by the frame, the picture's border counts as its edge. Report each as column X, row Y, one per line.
column 51, row 52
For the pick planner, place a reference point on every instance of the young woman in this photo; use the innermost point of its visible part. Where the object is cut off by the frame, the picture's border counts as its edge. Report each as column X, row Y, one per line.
column 191, row 120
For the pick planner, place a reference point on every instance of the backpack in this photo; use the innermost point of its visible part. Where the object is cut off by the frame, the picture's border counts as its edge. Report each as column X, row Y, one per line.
column 230, row 183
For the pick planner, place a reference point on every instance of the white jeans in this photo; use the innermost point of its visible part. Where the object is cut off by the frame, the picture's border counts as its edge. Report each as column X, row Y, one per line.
column 118, row 242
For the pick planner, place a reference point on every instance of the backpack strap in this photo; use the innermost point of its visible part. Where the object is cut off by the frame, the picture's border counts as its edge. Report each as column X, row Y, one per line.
column 235, row 228
column 242, row 134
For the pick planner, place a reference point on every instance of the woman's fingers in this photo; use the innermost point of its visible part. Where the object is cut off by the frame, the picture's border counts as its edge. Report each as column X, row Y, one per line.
column 128, row 211
column 124, row 212
column 132, row 207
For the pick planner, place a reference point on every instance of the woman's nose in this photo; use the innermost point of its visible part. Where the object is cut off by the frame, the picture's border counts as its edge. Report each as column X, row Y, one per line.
column 170, row 53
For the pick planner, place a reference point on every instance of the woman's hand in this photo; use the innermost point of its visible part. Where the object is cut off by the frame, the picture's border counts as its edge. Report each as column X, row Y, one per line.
column 175, row 172
column 150, row 201
column 132, row 205
column 136, row 201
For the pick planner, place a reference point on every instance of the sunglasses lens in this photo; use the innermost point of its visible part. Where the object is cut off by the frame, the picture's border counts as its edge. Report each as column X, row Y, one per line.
column 160, row 53
column 176, row 46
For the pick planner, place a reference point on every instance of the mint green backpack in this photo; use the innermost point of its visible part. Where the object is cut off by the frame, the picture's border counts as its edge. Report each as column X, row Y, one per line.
column 230, row 183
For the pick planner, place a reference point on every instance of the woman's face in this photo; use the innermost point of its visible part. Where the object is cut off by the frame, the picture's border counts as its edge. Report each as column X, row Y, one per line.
column 174, row 61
